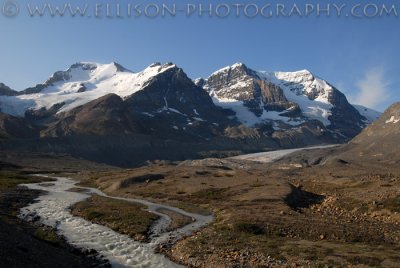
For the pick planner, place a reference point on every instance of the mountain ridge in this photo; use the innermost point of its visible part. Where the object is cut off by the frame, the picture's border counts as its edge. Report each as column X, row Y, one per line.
column 62, row 76
column 96, row 110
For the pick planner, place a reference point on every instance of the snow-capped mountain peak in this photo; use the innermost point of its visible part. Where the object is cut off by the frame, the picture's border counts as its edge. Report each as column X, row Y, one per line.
column 230, row 68
column 247, row 91
column 79, row 72
column 80, row 83
column 290, row 98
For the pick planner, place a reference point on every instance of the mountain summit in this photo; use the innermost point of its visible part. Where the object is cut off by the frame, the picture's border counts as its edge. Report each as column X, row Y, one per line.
column 79, row 84
column 285, row 99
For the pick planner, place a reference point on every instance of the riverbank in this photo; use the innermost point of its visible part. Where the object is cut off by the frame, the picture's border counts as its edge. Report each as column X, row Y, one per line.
column 30, row 244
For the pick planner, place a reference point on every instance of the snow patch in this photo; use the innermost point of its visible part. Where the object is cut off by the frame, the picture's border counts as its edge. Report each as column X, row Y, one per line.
column 248, row 118
column 148, row 114
column 199, row 119
column 370, row 114
column 393, row 120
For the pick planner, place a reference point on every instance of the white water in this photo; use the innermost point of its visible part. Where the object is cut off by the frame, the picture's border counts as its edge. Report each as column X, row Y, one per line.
column 268, row 157
column 120, row 250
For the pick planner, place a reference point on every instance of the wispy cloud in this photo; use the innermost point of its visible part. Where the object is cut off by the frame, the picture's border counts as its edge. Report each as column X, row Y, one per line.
column 372, row 88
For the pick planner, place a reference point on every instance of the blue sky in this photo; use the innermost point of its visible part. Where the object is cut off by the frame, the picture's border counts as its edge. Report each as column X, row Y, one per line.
column 360, row 56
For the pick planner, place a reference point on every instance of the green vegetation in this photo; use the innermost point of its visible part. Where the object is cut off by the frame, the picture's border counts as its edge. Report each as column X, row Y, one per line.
column 392, row 204
column 48, row 235
column 178, row 220
column 209, row 194
column 11, row 180
column 191, row 208
column 250, row 228
column 121, row 216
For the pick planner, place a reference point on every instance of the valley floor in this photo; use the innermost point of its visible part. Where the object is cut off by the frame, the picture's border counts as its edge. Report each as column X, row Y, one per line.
column 310, row 209
column 305, row 209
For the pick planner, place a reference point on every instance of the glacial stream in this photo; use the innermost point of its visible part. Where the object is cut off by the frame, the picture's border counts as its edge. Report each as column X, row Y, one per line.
column 120, row 250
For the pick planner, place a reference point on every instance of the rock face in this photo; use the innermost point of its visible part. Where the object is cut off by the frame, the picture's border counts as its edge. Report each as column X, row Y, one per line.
column 296, row 98
column 6, row 91
column 107, row 113
column 104, row 116
column 16, row 128
column 243, row 84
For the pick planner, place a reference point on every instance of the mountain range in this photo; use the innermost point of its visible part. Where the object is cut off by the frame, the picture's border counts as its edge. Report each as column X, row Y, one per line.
column 107, row 113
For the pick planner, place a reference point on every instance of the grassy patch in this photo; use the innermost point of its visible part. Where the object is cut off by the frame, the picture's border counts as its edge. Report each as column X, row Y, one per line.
column 250, row 228
column 192, row 208
column 10, row 180
column 209, row 194
column 90, row 183
column 392, row 204
column 121, row 216
column 48, row 235
column 178, row 220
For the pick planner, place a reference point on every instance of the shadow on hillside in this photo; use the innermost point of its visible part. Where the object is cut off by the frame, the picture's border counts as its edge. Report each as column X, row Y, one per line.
column 299, row 198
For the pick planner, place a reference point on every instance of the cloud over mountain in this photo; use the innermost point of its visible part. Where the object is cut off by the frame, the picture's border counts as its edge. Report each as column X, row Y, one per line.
column 373, row 88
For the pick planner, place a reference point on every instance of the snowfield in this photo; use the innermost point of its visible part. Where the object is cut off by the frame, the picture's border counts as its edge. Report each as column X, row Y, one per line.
column 272, row 156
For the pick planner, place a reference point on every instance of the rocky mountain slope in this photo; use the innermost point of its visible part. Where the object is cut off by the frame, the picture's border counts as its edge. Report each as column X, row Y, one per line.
column 6, row 91
column 106, row 111
column 16, row 127
column 379, row 142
